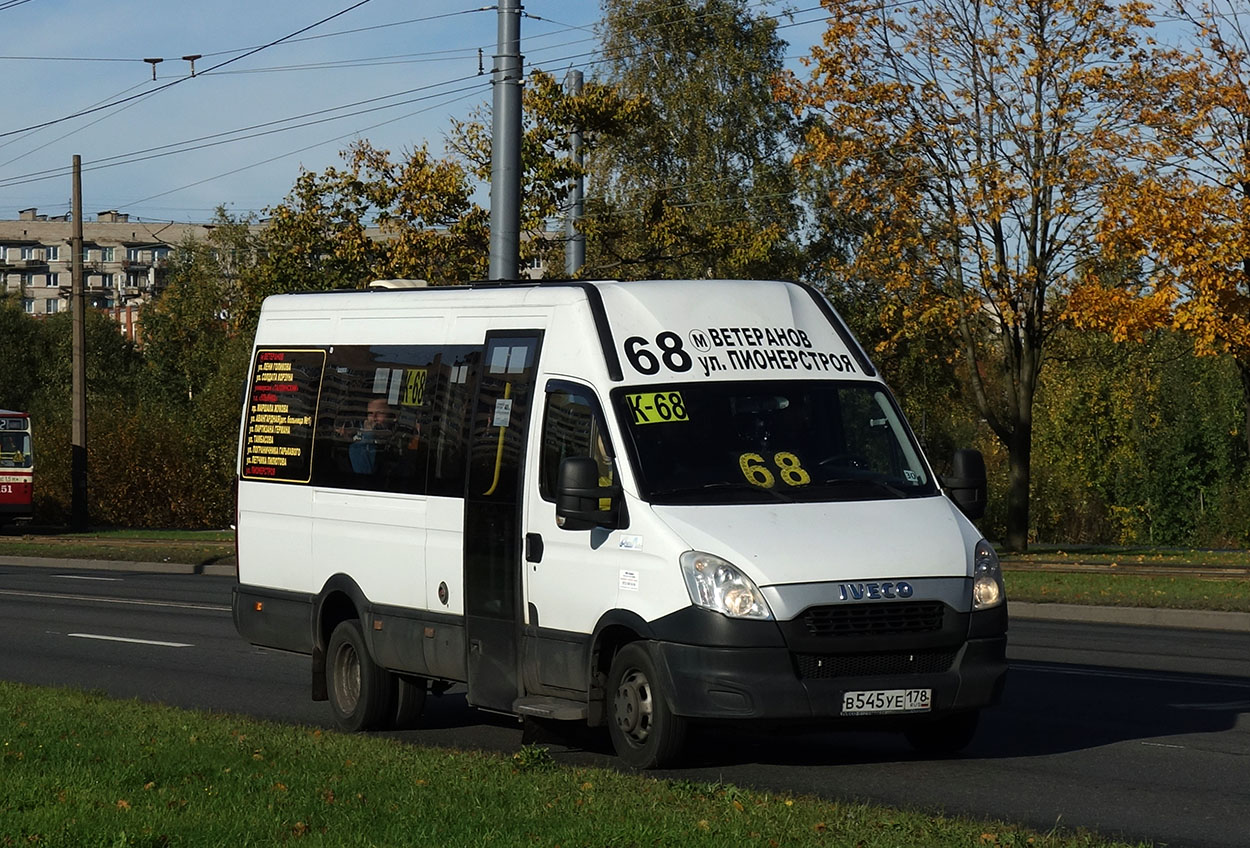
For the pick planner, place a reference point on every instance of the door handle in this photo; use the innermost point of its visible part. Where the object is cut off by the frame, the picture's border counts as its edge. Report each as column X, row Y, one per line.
column 533, row 547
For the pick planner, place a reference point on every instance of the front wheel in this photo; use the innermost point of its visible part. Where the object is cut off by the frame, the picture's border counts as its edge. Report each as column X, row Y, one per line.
column 360, row 690
column 645, row 732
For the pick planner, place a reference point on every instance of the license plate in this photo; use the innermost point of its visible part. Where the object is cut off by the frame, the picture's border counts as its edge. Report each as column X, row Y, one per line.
column 877, row 701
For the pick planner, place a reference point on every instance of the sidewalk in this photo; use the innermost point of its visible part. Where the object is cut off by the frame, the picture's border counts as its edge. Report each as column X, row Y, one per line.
column 1235, row 622
column 216, row 569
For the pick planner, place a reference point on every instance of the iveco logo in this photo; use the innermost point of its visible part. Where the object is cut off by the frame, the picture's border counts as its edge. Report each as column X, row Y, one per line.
column 874, row 591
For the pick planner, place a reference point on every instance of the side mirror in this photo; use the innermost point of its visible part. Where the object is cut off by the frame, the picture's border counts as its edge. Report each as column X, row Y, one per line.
column 966, row 483
column 578, row 496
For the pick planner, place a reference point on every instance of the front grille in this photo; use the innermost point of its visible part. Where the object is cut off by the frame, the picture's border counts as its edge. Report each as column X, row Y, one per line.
column 875, row 619
column 828, row 666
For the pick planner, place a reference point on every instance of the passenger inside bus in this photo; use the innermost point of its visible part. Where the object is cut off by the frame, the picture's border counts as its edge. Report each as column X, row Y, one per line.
column 375, row 432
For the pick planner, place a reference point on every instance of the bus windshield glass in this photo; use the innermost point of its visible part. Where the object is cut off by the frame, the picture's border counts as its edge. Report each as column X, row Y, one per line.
column 757, row 442
column 15, row 450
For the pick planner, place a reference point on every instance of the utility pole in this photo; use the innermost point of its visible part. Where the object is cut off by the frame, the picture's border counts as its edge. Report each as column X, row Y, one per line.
column 78, row 455
column 574, row 239
column 505, row 147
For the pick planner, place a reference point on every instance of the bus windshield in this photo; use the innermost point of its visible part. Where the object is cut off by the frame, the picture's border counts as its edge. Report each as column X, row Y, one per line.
column 756, row 442
column 15, row 450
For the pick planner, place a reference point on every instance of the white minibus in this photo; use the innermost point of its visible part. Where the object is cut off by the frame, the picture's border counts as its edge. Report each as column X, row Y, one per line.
column 644, row 505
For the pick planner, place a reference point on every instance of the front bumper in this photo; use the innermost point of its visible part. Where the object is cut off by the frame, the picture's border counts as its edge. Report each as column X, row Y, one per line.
column 793, row 677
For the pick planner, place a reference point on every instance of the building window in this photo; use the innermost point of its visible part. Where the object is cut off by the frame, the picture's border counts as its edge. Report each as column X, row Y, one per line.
column 106, row 254
column 53, row 278
column 29, row 253
column 52, row 305
column 106, row 280
column 52, row 253
column 134, row 254
column 160, row 253
column 28, row 304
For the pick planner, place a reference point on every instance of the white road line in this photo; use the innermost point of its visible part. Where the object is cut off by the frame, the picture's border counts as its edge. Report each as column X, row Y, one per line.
column 130, row 641
column 82, row 577
column 56, row 596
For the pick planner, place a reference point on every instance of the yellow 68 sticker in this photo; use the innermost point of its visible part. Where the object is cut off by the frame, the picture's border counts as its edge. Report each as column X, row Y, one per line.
column 789, row 469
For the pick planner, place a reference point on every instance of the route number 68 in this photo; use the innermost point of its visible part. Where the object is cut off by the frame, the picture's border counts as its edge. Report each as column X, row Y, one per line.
column 672, row 353
column 759, row 474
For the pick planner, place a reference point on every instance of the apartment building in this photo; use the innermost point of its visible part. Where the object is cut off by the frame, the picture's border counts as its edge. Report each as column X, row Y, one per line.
column 123, row 261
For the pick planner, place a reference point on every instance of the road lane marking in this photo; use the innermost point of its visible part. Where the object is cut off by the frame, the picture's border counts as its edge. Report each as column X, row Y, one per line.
column 57, row 596
column 83, row 577
column 130, row 641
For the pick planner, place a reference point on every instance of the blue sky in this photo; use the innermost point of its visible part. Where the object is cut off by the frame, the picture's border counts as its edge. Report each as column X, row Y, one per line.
column 392, row 71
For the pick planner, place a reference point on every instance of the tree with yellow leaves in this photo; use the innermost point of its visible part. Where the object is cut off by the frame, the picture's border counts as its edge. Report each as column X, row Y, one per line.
column 1181, row 224
column 970, row 140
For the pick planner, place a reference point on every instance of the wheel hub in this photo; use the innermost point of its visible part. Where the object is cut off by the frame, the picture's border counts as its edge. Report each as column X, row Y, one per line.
column 633, row 706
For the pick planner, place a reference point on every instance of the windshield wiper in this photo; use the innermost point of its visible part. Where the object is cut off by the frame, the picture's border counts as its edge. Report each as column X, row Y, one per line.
column 880, row 485
column 718, row 486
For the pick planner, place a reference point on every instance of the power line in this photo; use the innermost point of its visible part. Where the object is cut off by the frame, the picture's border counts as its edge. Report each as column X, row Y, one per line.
column 167, row 85
column 218, row 139
column 298, row 150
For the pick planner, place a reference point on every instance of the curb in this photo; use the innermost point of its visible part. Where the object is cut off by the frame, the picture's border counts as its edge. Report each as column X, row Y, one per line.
column 1234, row 622
column 211, row 569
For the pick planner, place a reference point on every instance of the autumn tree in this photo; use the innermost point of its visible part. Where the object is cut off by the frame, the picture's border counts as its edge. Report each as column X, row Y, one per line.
column 1179, row 226
column 700, row 184
column 971, row 140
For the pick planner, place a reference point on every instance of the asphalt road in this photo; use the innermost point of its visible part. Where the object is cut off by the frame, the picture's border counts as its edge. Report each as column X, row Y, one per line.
column 1135, row 732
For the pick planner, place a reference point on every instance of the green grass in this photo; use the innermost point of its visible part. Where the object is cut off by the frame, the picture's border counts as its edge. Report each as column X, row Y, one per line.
column 196, row 547
column 1131, row 556
column 78, row 769
column 1128, row 590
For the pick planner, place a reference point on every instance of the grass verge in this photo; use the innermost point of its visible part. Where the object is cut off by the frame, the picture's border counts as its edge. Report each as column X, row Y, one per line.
column 79, row 769
column 1128, row 590
column 195, row 547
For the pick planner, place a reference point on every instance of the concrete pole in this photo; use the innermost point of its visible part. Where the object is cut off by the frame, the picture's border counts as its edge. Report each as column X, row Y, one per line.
column 78, row 453
column 574, row 240
column 505, row 148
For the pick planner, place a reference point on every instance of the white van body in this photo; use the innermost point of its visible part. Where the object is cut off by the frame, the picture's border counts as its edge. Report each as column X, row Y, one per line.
column 754, row 534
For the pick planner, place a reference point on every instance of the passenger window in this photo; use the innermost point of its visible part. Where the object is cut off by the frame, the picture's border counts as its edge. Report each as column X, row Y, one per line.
column 572, row 426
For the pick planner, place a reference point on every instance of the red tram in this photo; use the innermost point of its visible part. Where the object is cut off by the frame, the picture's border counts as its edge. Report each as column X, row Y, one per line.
column 17, row 466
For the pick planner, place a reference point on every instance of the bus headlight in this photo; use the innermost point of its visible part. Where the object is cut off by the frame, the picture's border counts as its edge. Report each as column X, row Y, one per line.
column 719, row 586
column 987, row 578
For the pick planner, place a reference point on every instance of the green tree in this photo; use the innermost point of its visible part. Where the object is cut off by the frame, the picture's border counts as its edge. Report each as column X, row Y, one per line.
column 699, row 184
column 25, row 347
column 549, row 114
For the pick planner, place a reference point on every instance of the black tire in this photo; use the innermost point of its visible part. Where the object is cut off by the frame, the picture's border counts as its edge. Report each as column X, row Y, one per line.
column 409, row 701
column 360, row 691
column 943, row 736
column 645, row 732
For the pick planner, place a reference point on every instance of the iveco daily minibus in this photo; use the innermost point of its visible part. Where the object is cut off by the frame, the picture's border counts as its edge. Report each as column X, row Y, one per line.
column 643, row 505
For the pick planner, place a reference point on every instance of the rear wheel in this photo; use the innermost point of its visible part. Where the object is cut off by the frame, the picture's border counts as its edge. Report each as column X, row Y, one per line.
column 360, row 690
column 645, row 732
column 944, row 736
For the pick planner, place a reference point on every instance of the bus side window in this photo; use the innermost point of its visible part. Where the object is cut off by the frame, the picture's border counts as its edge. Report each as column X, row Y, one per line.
column 572, row 426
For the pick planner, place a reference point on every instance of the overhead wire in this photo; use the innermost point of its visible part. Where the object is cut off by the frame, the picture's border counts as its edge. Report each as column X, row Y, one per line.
column 180, row 80
column 191, row 145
